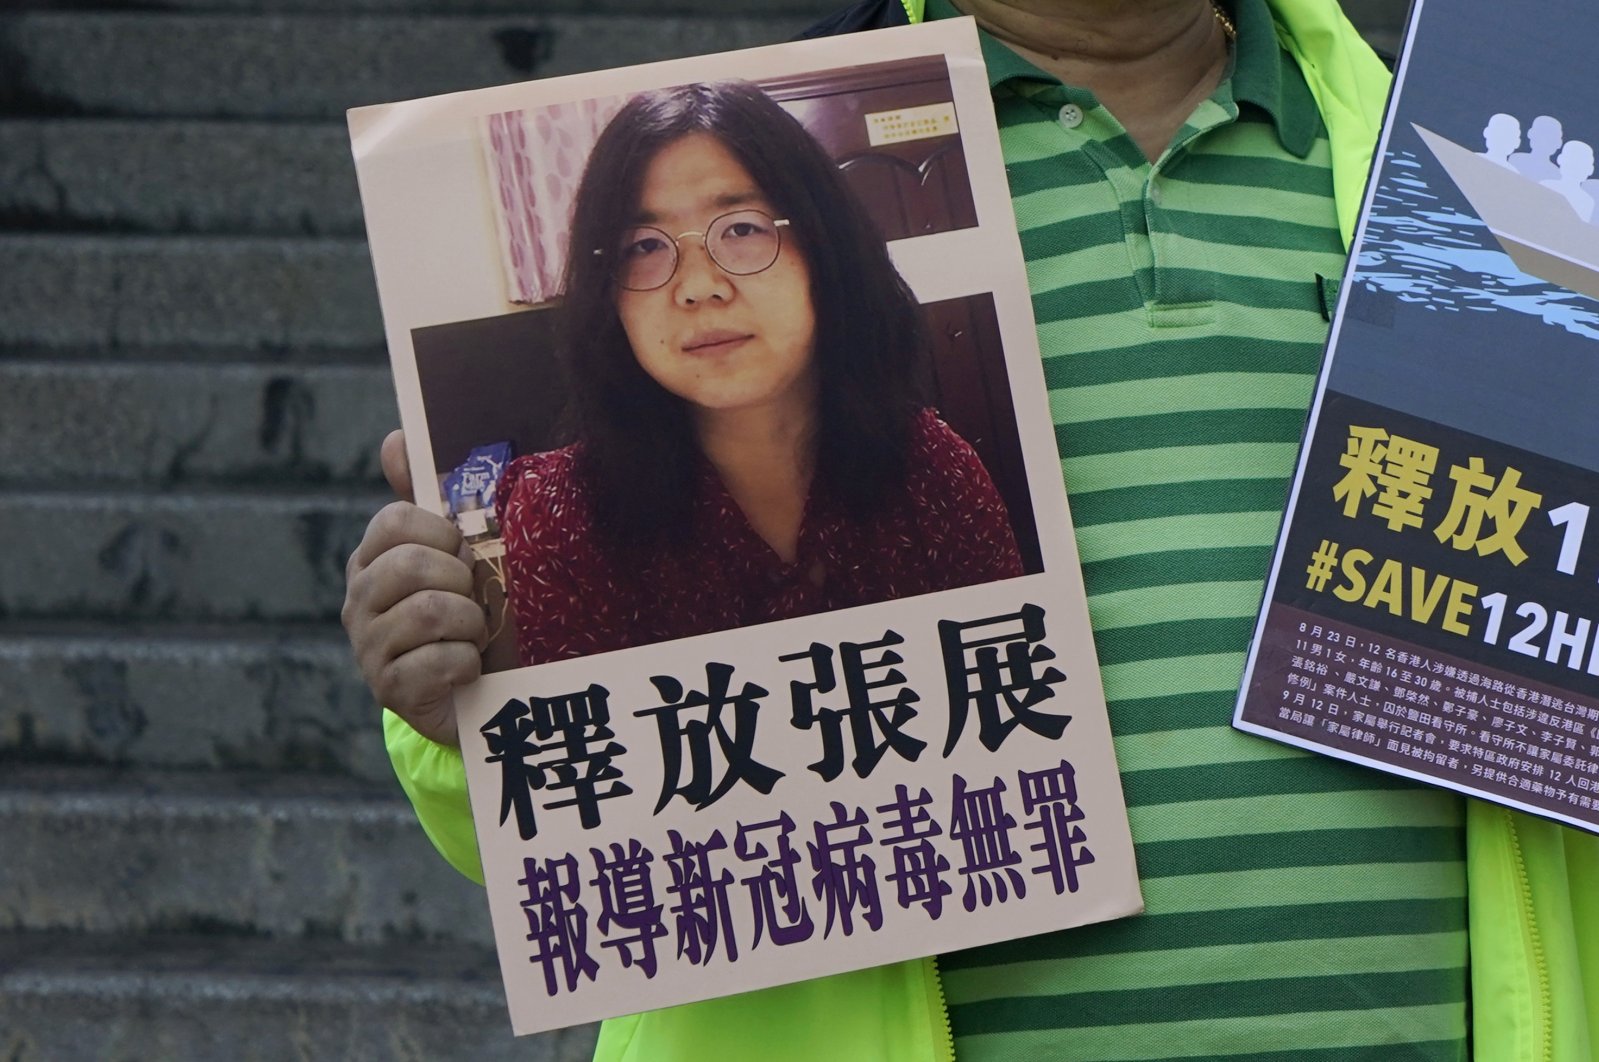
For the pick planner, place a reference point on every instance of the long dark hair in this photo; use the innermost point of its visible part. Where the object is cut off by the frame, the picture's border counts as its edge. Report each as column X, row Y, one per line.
column 638, row 453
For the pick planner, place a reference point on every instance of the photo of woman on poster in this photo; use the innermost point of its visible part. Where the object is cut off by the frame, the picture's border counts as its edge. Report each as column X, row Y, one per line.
column 743, row 365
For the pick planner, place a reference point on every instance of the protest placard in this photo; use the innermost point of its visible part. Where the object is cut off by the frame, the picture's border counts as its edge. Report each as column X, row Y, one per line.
column 748, row 719
column 1431, row 609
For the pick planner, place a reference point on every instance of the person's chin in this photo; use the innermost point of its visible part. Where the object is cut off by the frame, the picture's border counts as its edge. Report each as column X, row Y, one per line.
column 729, row 396
column 722, row 401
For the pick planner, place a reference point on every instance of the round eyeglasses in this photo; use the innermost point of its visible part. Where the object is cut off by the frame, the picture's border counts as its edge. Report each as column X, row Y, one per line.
column 740, row 242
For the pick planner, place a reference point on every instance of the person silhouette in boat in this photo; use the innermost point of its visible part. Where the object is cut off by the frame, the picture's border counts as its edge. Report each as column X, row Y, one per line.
column 1501, row 136
column 1575, row 166
column 1543, row 140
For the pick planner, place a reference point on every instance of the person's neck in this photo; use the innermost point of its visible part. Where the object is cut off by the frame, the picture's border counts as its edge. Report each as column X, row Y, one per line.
column 1150, row 62
column 764, row 457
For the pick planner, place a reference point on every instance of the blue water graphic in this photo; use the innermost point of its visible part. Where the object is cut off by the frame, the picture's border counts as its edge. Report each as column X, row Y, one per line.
column 1429, row 254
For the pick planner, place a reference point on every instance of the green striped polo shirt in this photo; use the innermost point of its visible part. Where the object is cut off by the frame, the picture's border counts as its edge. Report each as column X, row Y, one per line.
column 1298, row 907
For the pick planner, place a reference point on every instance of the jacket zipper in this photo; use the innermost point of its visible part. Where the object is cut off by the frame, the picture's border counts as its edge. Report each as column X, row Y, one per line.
column 1544, row 1042
column 943, row 1011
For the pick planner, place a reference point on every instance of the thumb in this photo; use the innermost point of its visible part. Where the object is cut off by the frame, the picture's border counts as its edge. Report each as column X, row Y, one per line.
column 395, row 468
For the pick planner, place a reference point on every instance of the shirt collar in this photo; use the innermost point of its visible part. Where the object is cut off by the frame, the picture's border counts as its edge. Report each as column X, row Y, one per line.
column 1256, row 68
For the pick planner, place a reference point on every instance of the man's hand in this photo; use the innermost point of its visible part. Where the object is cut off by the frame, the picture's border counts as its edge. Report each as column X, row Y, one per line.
column 416, row 631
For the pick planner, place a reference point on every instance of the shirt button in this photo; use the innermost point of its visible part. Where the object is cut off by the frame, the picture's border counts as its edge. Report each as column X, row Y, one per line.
column 1071, row 116
column 1154, row 193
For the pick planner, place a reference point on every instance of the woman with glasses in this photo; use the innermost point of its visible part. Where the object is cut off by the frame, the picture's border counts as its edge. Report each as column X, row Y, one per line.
column 744, row 363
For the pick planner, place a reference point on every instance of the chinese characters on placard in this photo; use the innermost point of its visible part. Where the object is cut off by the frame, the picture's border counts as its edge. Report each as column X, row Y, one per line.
column 1389, row 477
column 1382, row 693
column 1428, row 526
column 842, row 875
column 976, row 842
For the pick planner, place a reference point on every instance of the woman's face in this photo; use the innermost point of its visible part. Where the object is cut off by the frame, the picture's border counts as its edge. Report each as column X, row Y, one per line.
column 718, row 341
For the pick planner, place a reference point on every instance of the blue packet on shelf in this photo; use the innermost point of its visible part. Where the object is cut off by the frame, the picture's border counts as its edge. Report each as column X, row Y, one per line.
column 469, row 488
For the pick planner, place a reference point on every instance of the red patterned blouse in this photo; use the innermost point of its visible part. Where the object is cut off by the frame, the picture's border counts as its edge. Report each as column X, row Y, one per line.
column 947, row 528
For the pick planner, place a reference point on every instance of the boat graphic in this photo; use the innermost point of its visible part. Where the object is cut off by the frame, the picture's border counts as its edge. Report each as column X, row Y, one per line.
column 1535, row 225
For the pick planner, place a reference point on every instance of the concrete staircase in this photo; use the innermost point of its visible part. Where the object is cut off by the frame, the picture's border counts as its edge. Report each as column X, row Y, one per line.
column 202, row 852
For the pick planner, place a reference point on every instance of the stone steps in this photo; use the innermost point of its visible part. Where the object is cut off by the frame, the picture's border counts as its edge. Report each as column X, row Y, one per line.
column 248, row 697
column 115, row 556
column 254, row 293
column 178, row 177
column 191, row 999
column 246, row 854
column 180, row 64
column 78, row 423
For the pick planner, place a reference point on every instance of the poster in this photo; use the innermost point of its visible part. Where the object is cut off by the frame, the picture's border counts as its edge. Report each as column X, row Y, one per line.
column 754, row 745
column 1432, row 609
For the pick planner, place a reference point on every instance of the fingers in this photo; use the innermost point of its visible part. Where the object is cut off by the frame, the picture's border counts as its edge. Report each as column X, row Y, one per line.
column 416, row 630
column 430, row 673
column 402, row 571
column 391, row 455
column 426, row 617
column 417, row 685
column 401, row 523
column 408, row 588
column 417, row 651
